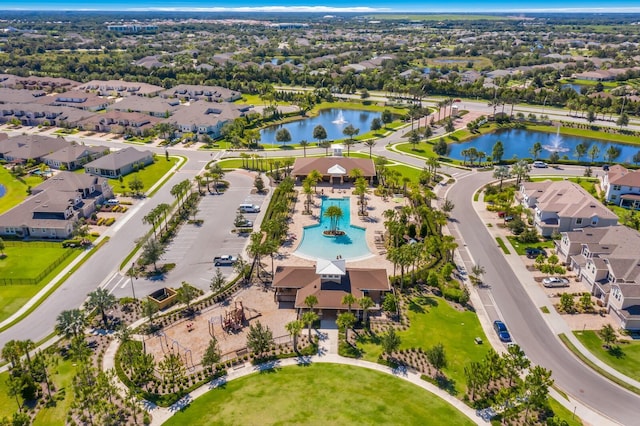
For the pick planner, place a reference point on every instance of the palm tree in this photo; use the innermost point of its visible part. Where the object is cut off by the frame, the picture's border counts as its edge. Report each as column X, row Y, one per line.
column 101, row 300
column 316, row 177
column 149, row 309
column 308, row 318
column 304, row 144
column 334, row 213
column 150, row 219
column 348, row 299
column 370, row 144
column 535, row 150
column 365, row 303
column 346, row 320
column 11, row 352
column 310, row 301
column 294, row 328
column 476, row 273
column 71, row 323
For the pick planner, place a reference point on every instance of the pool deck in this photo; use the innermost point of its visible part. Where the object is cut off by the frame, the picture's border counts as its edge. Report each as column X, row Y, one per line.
column 373, row 223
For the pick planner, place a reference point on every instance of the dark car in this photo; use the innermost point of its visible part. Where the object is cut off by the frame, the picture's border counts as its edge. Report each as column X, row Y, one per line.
column 502, row 331
column 533, row 253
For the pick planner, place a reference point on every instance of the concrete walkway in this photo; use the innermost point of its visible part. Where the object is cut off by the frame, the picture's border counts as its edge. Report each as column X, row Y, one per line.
column 161, row 414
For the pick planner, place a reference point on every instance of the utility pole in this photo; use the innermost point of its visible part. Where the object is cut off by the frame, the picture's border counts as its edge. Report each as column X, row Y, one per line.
column 133, row 290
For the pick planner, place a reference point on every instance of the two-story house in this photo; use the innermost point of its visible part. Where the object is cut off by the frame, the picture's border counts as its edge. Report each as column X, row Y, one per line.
column 561, row 206
column 622, row 187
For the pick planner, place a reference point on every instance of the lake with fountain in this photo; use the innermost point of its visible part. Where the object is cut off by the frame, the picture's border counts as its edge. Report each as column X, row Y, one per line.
column 518, row 143
column 334, row 120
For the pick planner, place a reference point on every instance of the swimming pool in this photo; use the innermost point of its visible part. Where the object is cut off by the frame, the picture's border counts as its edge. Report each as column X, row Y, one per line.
column 3, row 190
column 351, row 246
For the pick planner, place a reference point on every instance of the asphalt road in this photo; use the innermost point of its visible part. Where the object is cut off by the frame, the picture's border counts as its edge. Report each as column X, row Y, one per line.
column 525, row 320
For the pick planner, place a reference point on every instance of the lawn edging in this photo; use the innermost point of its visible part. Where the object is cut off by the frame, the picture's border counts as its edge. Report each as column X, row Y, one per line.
column 564, row 339
column 40, row 299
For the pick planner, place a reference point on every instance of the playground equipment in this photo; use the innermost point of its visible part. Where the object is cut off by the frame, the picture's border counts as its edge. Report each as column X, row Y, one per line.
column 234, row 318
column 177, row 349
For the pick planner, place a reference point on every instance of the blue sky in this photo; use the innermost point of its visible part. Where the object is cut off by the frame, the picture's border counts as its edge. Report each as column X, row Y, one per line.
column 618, row 6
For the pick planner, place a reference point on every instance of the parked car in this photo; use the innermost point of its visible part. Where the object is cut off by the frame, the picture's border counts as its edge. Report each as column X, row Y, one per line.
column 533, row 252
column 224, row 260
column 508, row 218
column 552, row 282
column 248, row 208
column 244, row 223
column 111, row 202
column 501, row 330
column 540, row 164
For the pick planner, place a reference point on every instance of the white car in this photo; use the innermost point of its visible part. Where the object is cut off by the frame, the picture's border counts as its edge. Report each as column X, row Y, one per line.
column 555, row 282
column 540, row 164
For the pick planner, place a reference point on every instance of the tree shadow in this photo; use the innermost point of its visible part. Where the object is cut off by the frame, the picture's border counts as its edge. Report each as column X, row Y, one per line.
column 616, row 352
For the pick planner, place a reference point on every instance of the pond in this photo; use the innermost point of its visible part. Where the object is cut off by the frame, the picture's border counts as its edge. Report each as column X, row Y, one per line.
column 3, row 190
column 334, row 120
column 519, row 142
column 575, row 87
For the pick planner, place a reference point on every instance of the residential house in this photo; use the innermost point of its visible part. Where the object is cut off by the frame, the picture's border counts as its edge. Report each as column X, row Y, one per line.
column 19, row 96
column 155, row 107
column 77, row 99
column 190, row 92
column 119, row 88
column 561, row 206
column 119, row 163
column 622, row 187
column 34, row 114
column 206, row 118
column 329, row 281
column 19, row 149
column 55, row 205
column 74, row 156
column 120, row 122
column 607, row 261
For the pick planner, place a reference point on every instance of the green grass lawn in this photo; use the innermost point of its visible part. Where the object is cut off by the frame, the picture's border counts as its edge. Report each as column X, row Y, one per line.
column 318, row 394
column 16, row 191
column 62, row 374
column 406, row 171
column 586, row 133
column 423, row 149
column 626, row 360
column 521, row 247
column 8, row 404
column 434, row 321
column 18, row 265
column 564, row 414
column 149, row 175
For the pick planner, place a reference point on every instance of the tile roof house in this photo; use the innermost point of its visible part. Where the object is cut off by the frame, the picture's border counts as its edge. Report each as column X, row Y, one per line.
column 74, row 156
column 34, row 114
column 561, row 206
column 119, row 163
column 607, row 261
column 329, row 281
column 206, row 118
column 208, row 93
column 19, row 96
column 119, row 122
column 155, row 107
column 77, row 99
column 55, row 205
column 19, row 149
column 622, row 187
column 120, row 88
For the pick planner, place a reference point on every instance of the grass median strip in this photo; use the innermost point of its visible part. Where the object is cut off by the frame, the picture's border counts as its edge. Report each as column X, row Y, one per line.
column 502, row 245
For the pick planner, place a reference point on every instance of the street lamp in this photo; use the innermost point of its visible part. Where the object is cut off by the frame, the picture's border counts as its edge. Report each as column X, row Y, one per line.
column 133, row 290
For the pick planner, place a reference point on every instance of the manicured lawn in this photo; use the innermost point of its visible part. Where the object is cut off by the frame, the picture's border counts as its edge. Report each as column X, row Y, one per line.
column 424, row 150
column 406, row 171
column 521, row 247
column 586, row 133
column 149, row 175
column 16, row 191
column 62, row 374
column 8, row 404
column 18, row 265
column 564, row 414
column 626, row 360
column 434, row 321
column 318, row 394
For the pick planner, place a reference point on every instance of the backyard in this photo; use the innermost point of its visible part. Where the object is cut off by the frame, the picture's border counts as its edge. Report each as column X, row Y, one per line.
column 16, row 190
column 317, row 394
column 18, row 266
column 149, row 175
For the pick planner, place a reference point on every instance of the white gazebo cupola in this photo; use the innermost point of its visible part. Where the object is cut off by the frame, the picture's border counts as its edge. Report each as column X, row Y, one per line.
column 337, row 171
column 337, row 149
column 331, row 270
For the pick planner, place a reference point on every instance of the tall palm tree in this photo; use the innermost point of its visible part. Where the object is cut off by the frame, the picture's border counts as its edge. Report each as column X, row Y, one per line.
column 294, row 328
column 316, row 177
column 334, row 213
column 11, row 352
column 365, row 303
column 308, row 318
column 346, row 320
column 310, row 301
column 304, row 144
column 101, row 300
column 370, row 144
column 150, row 219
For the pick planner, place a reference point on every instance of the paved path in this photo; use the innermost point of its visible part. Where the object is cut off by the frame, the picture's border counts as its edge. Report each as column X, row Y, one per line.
column 161, row 414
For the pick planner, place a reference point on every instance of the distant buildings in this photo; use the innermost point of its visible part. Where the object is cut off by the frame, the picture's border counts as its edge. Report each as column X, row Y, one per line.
column 132, row 28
